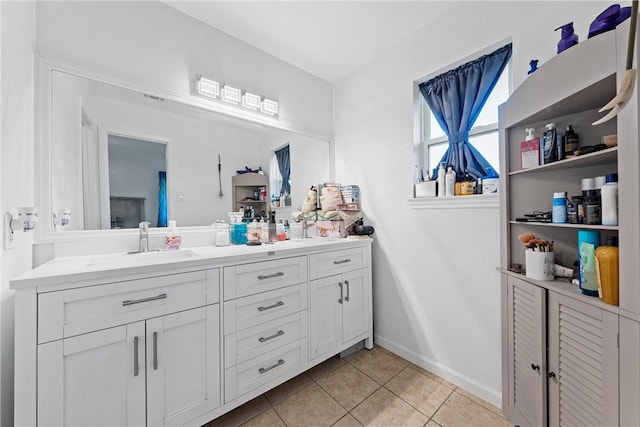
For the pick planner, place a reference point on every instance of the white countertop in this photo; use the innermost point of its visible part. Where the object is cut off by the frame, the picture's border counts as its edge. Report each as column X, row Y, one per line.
column 97, row 268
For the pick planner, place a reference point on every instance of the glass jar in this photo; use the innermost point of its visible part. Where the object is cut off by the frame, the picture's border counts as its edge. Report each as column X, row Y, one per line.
column 221, row 233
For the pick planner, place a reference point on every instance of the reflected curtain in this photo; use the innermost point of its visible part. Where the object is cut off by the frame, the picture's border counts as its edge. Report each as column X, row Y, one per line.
column 162, row 199
column 284, row 165
column 456, row 99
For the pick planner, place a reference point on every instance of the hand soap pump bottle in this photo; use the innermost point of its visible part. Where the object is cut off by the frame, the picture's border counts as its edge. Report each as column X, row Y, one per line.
column 567, row 38
column 172, row 239
column 441, row 181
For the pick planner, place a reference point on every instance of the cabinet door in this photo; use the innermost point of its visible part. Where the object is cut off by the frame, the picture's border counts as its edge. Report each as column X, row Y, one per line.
column 326, row 298
column 583, row 363
column 93, row 379
column 354, row 310
column 183, row 365
column 526, row 341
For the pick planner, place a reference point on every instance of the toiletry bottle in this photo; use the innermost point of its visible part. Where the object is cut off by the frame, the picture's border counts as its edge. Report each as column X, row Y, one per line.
column 441, row 181
column 548, row 149
column 560, row 143
column 450, row 182
column 559, row 208
column 264, row 231
column 272, row 227
column 287, row 229
column 609, row 200
column 587, row 284
column 607, row 268
column 280, row 234
column 172, row 240
column 530, row 150
column 571, row 141
column 567, row 37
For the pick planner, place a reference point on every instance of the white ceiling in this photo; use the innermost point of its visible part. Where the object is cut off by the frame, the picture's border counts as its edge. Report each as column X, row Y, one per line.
column 329, row 39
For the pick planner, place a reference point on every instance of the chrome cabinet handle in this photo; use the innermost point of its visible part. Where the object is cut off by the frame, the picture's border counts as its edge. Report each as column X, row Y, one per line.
column 138, row 301
column 341, row 294
column 155, row 351
column 278, row 304
column 268, row 368
column 270, row 276
column 346, row 282
column 342, row 262
column 136, row 370
column 270, row 337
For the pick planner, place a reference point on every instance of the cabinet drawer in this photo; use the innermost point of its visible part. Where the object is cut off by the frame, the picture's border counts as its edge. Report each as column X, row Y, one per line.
column 77, row 311
column 246, row 312
column 258, row 372
column 260, row 339
column 248, row 279
column 336, row 262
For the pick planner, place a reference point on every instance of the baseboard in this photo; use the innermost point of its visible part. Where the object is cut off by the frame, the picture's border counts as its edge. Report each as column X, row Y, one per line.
column 487, row 394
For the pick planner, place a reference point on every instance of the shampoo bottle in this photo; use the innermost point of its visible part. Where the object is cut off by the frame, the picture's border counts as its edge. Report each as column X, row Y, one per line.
column 571, row 141
column 441, row 180
column 172, row 239
column 607, row 267
column 548, row 150
column 450, row 182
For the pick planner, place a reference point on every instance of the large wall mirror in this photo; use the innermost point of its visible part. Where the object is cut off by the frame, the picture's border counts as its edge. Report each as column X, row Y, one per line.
column 112, row 156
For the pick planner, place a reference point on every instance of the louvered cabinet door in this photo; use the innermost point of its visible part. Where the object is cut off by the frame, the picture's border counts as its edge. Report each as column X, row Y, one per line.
column 526, row 341
column 583, row 364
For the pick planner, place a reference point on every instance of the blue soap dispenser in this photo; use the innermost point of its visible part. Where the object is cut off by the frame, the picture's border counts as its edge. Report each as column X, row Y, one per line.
column 567, row 38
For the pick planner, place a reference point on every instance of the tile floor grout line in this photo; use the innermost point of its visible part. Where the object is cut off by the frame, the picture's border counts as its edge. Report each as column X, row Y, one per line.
column 440, row 407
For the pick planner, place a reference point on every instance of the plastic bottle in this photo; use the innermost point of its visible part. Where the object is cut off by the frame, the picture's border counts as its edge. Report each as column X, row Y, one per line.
column 264, row 231
column 588, row 283
column 441, row 181
column 567, row 37
column 592, row 214
column 609, row 200
column 280, row 234
column 287, row 229
column 272, row 227
column 548, row 149
column 607, row 268
column 172, row 240
column 559, row 209
column 571, row 141
column 450, row 182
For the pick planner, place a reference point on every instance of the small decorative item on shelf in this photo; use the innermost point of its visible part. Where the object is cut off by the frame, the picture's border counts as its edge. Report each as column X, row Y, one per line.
column 539, row 257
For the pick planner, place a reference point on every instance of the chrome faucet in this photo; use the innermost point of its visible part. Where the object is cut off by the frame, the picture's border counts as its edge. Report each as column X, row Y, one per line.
column 144, row 237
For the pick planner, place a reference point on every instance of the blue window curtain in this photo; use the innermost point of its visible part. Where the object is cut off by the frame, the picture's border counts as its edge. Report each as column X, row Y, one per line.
column 284, row 165
column 456, row 99
column 162, row 199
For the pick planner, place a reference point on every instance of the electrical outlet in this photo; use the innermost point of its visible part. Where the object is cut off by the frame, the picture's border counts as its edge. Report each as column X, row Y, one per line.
column 9, row 235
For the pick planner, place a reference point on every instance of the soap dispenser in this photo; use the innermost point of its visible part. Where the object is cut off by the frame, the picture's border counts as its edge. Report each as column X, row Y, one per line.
column 172, row 239
column 567, row 37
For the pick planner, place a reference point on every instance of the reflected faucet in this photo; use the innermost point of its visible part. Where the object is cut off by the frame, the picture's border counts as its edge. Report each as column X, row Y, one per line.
column 144, row 237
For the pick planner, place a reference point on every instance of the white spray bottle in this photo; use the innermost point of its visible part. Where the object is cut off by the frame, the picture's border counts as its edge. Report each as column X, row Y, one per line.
column 441, row 181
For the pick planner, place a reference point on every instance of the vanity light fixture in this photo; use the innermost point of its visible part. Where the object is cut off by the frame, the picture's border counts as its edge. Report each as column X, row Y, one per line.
column 239, row 98
column 231, row 94
column 269, row 106
column 251, row 101
column 208, row 87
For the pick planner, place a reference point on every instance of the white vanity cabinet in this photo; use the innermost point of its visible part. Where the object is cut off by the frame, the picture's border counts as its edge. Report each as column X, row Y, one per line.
column 340, row 300
column 183, row 342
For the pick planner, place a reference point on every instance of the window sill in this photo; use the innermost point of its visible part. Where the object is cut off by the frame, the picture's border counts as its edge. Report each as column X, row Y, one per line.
column 459, row 202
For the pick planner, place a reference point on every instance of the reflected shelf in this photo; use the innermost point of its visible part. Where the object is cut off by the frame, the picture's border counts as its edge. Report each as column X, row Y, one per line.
column 566, row 225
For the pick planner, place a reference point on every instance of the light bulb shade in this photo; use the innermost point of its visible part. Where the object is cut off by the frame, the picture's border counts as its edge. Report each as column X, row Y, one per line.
column 269, row 106
column 231, row 94
column 208, row 87
column 251, row 101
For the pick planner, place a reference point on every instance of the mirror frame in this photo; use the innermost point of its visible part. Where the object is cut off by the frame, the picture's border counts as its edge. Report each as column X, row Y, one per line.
column 44, row 67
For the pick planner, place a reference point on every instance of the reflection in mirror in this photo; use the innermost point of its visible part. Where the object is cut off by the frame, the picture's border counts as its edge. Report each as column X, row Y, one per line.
column 110, row 146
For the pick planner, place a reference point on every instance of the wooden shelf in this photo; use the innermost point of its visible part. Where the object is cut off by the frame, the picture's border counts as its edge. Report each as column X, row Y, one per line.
column 576, row 226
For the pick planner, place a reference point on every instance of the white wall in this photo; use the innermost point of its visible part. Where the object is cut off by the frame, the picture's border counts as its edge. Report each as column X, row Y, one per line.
column 17, row 168
column 436, row 288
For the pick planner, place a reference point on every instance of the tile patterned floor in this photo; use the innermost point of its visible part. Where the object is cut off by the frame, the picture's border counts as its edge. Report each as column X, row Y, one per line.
column 367, row 388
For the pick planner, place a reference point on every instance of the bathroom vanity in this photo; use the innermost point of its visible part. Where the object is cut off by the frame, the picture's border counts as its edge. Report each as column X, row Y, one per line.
column 180, row 338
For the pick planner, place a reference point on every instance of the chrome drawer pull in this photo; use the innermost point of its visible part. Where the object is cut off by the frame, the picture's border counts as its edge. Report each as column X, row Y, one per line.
column 268, row 368
column 155, row 351
column 135, row 357
column 346, row 282
column 278, row 304
column 343, row 261
column 138, row 301
column 270, row 276
column 341, row 293
column 270, row 337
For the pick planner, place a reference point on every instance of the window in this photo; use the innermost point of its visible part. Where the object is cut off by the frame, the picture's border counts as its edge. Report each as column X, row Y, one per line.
column 483, row 136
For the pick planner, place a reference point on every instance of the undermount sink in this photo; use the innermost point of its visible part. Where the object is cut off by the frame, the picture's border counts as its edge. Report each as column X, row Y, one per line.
column 138, row 258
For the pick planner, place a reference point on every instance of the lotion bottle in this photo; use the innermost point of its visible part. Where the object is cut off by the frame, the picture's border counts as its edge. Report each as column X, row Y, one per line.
column 441, row 180
column 172, row 239
column 450, row 182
